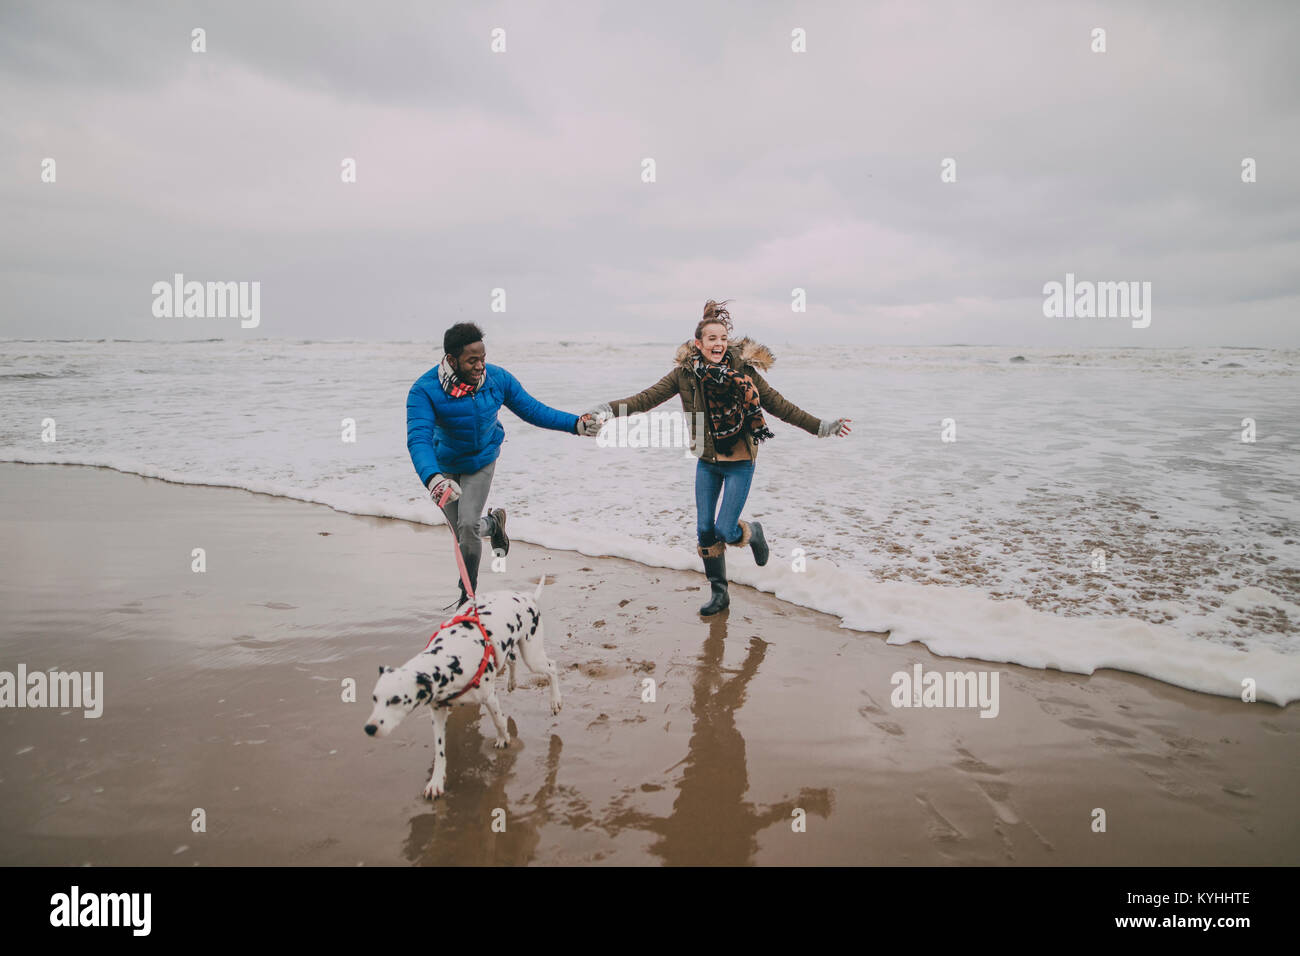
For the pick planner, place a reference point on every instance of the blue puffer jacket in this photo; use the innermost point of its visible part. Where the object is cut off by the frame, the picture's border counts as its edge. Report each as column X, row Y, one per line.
column 456, row 436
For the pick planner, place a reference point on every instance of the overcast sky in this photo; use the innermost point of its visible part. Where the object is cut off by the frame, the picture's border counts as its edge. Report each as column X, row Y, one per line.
column 775, row 170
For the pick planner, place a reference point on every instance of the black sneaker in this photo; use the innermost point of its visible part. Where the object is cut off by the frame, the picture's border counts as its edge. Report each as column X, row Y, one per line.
column 500, row 542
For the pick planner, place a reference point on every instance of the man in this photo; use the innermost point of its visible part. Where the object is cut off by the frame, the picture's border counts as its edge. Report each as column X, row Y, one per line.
column 454, row 437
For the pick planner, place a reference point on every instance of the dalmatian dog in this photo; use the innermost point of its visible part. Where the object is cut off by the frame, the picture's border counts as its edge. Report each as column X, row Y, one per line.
column 441, row 674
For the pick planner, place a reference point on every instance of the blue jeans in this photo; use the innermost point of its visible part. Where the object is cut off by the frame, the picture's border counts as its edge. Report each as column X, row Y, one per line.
column 731, row 479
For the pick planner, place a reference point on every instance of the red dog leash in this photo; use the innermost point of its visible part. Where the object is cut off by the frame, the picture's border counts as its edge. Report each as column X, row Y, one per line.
column 470, row 614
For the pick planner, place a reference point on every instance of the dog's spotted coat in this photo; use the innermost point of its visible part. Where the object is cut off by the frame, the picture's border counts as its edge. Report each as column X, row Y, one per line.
column 448, row 665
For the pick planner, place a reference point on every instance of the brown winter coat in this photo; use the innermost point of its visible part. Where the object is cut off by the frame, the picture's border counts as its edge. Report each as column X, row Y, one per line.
column 744, row 355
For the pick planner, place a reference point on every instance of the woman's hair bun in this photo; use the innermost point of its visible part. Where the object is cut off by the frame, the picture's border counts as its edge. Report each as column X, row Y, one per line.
column 714, row 312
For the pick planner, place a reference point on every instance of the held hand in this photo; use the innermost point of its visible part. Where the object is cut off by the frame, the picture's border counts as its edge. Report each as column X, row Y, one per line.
column 839, row 428
column 602, row 413
column 588, row 426
column 443, row 490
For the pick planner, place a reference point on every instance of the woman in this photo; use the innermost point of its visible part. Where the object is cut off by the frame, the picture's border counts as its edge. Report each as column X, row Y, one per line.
column 723, row 394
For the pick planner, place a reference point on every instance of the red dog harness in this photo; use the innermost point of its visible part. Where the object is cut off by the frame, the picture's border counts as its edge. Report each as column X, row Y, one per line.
column 470, row 614
column 489, row 652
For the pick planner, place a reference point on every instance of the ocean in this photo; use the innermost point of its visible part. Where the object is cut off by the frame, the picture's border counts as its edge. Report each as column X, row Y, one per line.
column 1095, row 508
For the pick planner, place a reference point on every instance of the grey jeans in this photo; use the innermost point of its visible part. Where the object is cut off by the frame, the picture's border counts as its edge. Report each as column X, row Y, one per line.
column 465, row 514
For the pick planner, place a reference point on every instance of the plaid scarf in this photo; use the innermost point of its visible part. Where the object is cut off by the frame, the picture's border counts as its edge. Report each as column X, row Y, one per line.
column 451, row 382
column 733, row 404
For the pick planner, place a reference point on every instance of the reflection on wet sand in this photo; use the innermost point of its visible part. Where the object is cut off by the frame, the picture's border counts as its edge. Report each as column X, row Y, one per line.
column 458, row 831
column 711, row 822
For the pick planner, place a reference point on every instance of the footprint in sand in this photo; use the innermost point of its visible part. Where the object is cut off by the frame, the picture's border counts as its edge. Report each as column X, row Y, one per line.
column 598, row 670
column 1187, row 748
column 998, row 794
column 999, row 797
column 1088, row 723
column 874, row 714
column 1059, row 705
column 940, row 829
column 972, row 764
column 888, row 726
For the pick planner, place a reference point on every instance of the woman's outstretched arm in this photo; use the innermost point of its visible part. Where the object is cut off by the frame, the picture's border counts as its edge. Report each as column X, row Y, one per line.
column 780, row 406
column 788, row 411
column 656, row 394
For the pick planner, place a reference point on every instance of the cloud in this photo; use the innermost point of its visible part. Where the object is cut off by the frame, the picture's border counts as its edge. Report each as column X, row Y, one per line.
column 775, row 170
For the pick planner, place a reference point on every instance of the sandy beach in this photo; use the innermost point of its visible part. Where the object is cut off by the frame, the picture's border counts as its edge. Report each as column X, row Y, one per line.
column 223, row 692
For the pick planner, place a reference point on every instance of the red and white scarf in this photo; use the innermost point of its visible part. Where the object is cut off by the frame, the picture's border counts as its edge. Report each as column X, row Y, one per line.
column 451, row 382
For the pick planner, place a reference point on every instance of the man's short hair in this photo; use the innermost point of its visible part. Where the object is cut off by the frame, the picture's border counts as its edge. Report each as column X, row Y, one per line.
column 460, row 335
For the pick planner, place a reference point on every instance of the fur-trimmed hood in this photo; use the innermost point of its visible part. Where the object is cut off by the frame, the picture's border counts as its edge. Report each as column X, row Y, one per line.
column 743, row 355
column 749, row 352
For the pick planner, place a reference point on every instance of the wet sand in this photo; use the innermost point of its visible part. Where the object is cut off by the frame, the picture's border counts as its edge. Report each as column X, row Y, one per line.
column 223, row 692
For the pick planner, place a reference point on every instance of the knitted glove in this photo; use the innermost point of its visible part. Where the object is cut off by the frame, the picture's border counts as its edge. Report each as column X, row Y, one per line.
column 602, row 413
column 588, row 426
column 839, row 427
column 439, row 484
